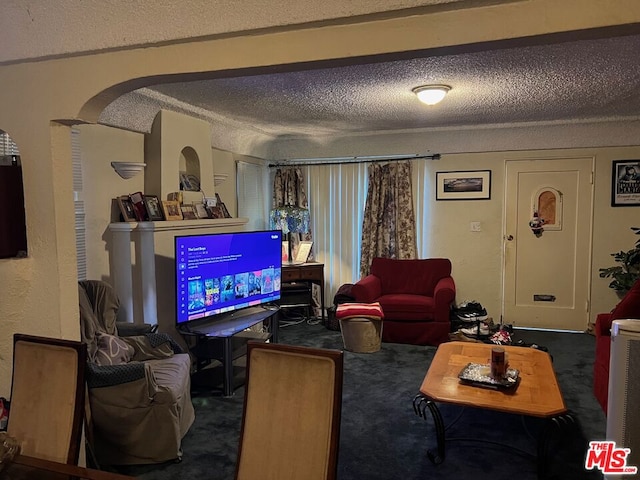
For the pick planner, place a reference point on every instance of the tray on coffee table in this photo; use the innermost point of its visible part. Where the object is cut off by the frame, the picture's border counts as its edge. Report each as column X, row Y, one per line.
column 479, row 375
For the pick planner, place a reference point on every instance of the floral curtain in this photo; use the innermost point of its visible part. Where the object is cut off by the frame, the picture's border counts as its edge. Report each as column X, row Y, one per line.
column 289, row 190
column 388, row 228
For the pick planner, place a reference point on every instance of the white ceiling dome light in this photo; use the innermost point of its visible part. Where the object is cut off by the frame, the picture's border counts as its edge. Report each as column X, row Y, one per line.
column 431, row 94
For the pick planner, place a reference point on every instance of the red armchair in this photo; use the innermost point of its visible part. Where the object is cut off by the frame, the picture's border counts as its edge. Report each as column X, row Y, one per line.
column 415, row 296
column 629, row 307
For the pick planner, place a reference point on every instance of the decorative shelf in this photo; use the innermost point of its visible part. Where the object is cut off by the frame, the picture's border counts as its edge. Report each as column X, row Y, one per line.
column 219, row 178
column 128, row 169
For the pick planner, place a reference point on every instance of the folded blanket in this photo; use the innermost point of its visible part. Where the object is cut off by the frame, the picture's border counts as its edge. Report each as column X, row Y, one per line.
column 366, row 310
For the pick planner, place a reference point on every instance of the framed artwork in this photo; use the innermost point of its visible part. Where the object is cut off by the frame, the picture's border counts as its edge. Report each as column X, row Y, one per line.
column 201, row 210
column 171, row 210
column 126, row 209
column 625, row 183
column 463, row 185
column 188, row 212
column 154, row 208
column 304, row 249
column 137, row 200
column 216, row 211
column 189, row 182
column 221, row 204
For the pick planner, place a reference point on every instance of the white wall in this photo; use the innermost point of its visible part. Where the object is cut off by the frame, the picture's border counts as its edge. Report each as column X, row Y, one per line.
column 224, row 163
column 100, row 146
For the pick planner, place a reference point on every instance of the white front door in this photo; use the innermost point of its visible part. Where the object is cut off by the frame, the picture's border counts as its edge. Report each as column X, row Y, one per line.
column 546, row 276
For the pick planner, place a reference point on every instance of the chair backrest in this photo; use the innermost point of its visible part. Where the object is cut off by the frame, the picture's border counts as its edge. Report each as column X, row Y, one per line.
column 99, row 306
column 414, row 276
column 47, row 397
column 292, row 409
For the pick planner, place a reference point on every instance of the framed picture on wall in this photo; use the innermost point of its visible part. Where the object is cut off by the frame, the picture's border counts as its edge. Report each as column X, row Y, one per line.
column 625, row 183
column 463, row 185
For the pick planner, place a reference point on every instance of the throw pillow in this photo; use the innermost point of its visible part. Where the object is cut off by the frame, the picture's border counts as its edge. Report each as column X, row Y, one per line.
column 112, row 350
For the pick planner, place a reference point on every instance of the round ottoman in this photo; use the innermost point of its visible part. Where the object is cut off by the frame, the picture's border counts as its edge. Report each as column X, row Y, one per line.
column 361, row 326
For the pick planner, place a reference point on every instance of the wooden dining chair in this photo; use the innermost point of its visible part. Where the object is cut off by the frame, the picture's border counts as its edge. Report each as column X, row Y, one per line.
column 47, row 397
column 291, row 417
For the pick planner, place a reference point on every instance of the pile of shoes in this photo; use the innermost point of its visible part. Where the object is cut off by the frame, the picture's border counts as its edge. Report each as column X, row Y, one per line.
column 470, row 318
column 470, row 311
column 502, row 336
column 479, row 328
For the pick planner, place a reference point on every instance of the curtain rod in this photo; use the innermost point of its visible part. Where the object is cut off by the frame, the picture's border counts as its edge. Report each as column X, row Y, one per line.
column 342, row 160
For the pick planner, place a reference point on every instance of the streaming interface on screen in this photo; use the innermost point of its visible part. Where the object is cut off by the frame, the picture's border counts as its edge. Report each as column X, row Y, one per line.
column 224, row 272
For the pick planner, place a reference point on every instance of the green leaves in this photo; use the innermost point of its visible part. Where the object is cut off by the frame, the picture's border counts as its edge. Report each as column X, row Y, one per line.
column 624, row 275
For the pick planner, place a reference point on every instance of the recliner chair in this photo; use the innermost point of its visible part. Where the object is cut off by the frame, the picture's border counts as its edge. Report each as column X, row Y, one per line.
column 139, row 386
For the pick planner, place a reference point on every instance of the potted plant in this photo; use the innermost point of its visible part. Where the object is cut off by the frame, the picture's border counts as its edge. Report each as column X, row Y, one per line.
column 627, row 272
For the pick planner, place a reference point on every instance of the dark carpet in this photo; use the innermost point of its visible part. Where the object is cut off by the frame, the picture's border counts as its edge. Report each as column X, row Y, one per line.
column 381, row 436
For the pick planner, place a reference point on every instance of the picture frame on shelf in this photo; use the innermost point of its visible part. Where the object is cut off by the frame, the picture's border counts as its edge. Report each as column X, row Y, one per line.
column 189, row 182
column 201, row 210
column 171, row 210
column 221, row 204
column 625, row 183
column 463, row 185
column 216, row 211
column 154, row 208
column 137, row 200
column 188, row 213
column 126, row 209
column 303, row 252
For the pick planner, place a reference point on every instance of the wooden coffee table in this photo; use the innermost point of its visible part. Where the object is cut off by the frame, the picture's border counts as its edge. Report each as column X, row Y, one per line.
column 537, row 394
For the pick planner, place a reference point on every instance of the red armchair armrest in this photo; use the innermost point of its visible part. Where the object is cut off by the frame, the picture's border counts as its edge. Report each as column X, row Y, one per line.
column 367, row 289
column 603, row 325
column 444, row 294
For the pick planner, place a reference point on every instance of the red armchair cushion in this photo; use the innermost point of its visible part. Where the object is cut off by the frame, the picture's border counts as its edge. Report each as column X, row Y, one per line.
column 408, row 307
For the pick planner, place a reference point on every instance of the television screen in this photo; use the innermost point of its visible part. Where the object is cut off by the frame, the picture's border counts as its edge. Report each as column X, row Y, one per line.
column 224, row 272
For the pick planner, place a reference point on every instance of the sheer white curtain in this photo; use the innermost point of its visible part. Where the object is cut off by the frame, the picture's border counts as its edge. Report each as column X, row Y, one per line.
column 252, row 182
column 422, row 183
column 337, row 195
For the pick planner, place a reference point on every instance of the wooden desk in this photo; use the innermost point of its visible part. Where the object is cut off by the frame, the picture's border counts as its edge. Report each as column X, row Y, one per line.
column 306, row 272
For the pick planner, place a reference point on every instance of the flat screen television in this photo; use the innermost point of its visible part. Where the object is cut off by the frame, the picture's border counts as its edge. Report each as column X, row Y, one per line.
column 225, row 272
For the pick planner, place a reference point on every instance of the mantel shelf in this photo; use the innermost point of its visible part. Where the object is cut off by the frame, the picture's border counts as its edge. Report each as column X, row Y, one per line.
column 175, row 225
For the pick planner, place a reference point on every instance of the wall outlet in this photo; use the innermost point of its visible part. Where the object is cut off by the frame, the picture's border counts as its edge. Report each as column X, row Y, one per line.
column 475, row 227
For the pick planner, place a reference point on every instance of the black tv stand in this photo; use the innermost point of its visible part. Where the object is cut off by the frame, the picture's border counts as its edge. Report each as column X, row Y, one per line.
column 224, row 338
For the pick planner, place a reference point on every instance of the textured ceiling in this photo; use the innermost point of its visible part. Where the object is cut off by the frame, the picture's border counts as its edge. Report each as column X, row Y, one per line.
column 589, row 80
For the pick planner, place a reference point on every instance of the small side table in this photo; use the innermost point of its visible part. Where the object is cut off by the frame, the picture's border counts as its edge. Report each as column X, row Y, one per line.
column 312, row 272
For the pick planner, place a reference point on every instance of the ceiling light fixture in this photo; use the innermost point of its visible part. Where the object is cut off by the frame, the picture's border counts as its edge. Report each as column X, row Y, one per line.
column 431, row 94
